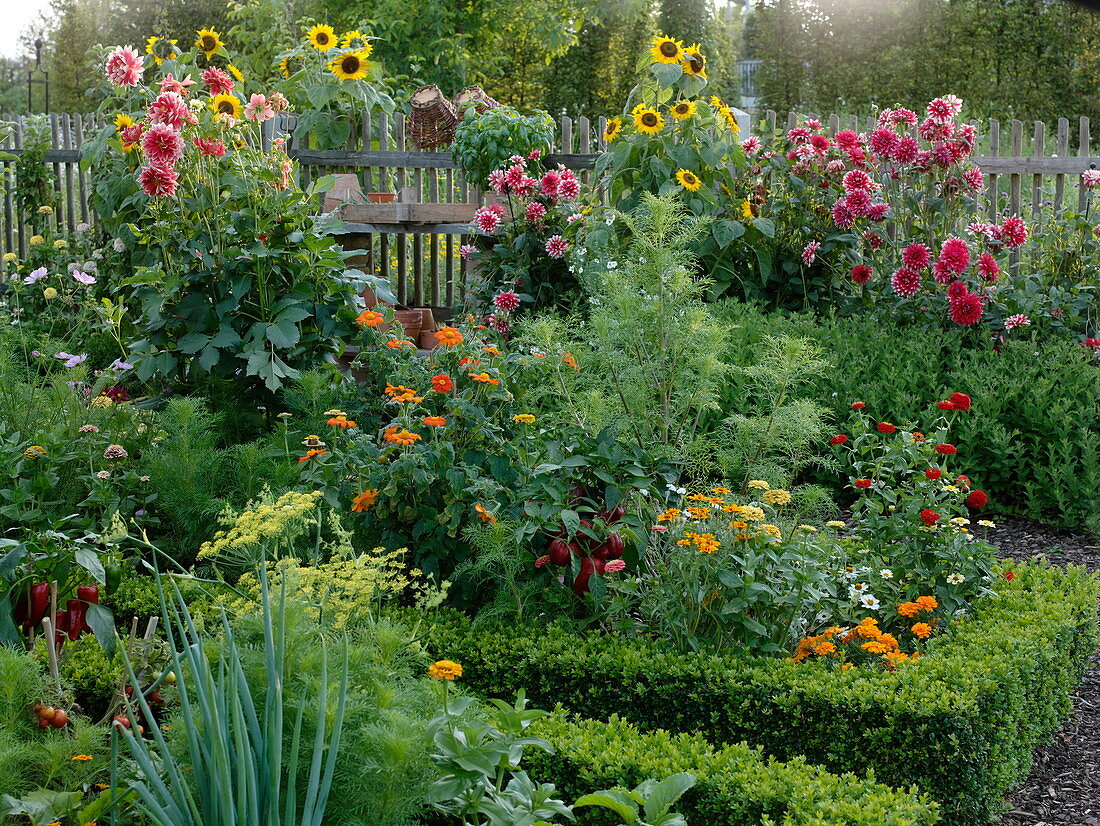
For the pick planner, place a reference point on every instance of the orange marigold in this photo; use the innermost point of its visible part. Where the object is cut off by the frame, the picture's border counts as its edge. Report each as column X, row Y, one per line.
column 449, row 336
column 445, row 670
column 908, row 609
column 922, row 630
column 927, row 603
column 364, row 500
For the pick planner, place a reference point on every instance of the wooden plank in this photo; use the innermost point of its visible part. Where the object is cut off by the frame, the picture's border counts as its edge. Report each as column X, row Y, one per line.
column 566, row 146
column 433, row 250
column 834, row 124
column 1014, row 179
column 450, row 259
column 1082, row 151
column 383, row 239
column 81, row 179
column 21, row 240
column 1038, row 139
column 70, row 194
column 993, row 187
column 8, row 183
column 401, row 240
column 410, row 160
column 1062, row 150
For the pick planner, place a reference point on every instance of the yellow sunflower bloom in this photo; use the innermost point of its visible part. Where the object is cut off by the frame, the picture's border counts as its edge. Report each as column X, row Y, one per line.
column 683, row 110
column 209, row 42
column 286, row 68
column 693, row 62
column 161, row 50
column 688, row 180
column 350, row 66
column 357, row 41
column 226, row 106
column 667, row 50
column 122, row 121
column 237, row 73
column 322, row 37
column 748, row 209
column 611, row 129
column 648, row 121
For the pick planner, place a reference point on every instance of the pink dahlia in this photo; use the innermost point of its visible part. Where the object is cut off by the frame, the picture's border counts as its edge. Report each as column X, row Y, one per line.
column 973, row 179
column 906, row 116
column 957, row 289
column 549, row 184
column 1018, row 320
column 1014, row 232
column 535, row 211
column 846, row 139
column 905, row 282
column 987, row 267
column 842, row 216
column 820, row 143
column 162, row 145
column 169, row 108
column 1091, row 178
column 873, row 239
column 569, row 188
column 506, row 301
column 923, row 161
column 210, row 147
column 857, row 179
column 935, row 130
column 809, row 252
column 861, row 274
column 883, row 141
column 170, row 84
column 750, row 146
column 941, row 274
column 940, row 110
column 158, row 181
column 487, row 219
column 906, row 149
column 218, row 80
column 878, row 212
column 258, row 109
column 497, row 182
column 466, row 250
column 916, row 256
column 835, row 166
column 858, row 201
column 800, row 134
column 955, row 255
column 124, row 66
column 556, row 247
column 132, row 134
column 966, row 310
column 856, row 155
column 943, row 154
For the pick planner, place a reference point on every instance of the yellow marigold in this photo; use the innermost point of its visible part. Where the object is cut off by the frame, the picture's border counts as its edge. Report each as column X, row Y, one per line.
column 445, row 670
column 669, row 515
column 36, row 241
column 364, row 500
column 739, row 525
column 824, row 648
column 922, row 630
column 759, row 484
column 449, row 336
column 778, row 496
column 834, row 523
column 523, row 418
column 684, row 542
column 927, row 603
column 847, row 667
column 49, row 293
column 698, row 513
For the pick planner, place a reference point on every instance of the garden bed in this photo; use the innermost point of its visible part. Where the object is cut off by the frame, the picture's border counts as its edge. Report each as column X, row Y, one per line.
column 961, row 725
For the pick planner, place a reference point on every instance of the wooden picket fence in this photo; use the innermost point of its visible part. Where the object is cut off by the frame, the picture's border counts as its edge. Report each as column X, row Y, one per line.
column 416, row 243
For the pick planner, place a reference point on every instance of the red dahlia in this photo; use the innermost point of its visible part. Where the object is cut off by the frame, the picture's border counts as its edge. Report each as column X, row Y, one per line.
column 945, row 405
column 933, row 473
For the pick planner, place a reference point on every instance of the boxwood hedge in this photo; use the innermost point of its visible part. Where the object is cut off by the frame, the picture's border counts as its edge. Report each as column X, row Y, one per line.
column 961, row 724
column 735, row 785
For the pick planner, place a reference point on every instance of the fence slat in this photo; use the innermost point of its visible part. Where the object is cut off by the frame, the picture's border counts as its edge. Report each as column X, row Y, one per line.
column 993, row 182
column 1062, row 148
column 1037, row 179
column 1082, row 152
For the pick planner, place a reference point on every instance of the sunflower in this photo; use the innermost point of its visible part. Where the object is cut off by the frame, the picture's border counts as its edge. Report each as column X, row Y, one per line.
column 688, row 180
column 667, row 50
column 350, row 66
column 683, row 110
column 209, row 42
column 161, row 50
column 693, row 62
column 649, row 121
column 286, row 68
column 233, row 70
column 358, row 41
column 730, row 118
column 748, row 209
column 226, row 106
column 611, row 129
column 322, row 38
column 122, row 121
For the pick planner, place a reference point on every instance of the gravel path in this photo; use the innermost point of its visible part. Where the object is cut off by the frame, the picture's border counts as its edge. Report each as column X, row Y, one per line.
column 1063, row 788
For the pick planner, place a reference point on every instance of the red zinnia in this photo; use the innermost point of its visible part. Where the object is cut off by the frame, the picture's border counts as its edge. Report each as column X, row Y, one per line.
column 442, row 383
column 838, row 439
column 977, row 499
column 885, row 427
column 946, row 449
column 1008, row 576
column 945, row 405
column 963, row 480
column 933, row 473
column 863, row 483
column 961, row 401
column 858, row 405
column 929, row 518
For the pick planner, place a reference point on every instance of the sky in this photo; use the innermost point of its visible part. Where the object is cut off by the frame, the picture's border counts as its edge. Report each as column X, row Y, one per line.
column 16, row 15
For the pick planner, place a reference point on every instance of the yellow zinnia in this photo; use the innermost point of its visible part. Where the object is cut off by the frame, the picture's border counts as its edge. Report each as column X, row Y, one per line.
column 688, row 180
column 683, row 110
column 612, row 129
column 350, row 66
column 667, row 50
column 226, row 106
column 445, row 670
column 648, row 121
column 322, row 37
column 209, row 42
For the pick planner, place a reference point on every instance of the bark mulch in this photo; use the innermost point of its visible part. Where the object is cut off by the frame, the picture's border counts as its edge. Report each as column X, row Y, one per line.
column 1063, row 788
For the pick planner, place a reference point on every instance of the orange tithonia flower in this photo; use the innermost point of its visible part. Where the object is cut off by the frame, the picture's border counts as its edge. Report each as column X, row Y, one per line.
column 434, row 421
column 492, row 351
column 342, row 421
column 483, row 513
column 398, row 343
column 449, row 336
column 567, row 357
column 400, row 436
column 364, row 500
column 484, row 378
column 369, row 318
column 442, row 383
column 311, row 453
column 402, row 394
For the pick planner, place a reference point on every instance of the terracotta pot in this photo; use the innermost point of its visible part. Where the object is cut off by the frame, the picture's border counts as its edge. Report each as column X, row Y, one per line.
column 427, row 318
column 429, row 340
column 381, row 197
column 344, row 362
column 345, row 188
column 411, row 320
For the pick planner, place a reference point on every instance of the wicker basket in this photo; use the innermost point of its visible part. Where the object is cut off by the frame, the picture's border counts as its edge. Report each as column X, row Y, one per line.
column 477, row 96
column 433, row 119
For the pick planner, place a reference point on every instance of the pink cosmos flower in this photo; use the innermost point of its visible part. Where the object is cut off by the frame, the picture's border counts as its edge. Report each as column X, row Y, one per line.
column 535, row 211
column 124, row 66
column 556, row 247
column 905, row 282
column 162, row 145
column 966, row 310
column 987, row 267
column 36, row 276
column 955, row 255
column 809, row 252
column 1018, row 320
column 1014, row 232
column 170, row 84
column 258, row 109
column 218, row 80
column 916, row 256
column 506, row 301
column 158, row 181
column 855, row 180
column 83, row 278
column 169, row 108
column 210, row 147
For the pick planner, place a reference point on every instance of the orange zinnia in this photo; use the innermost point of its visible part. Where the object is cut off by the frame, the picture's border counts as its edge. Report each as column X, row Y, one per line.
column 442, row 383
column 311, row 453
column 369, row 318
column 484, row 378
column 483, row 513
column 449, row 336
column 400, row 436
column 342, row 421
column 434, row 421
column 364, row 500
